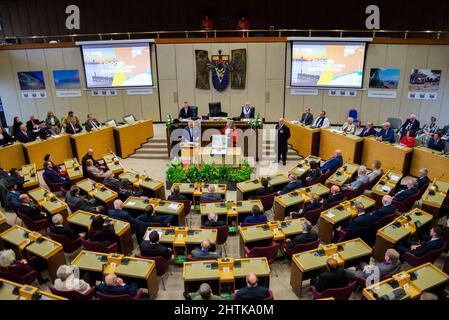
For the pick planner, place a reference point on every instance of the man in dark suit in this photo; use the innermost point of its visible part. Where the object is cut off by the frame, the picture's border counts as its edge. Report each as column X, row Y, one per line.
column 120, row 214
column 406, row 193
column 211, row 195
column 248, row 111
column 306, row 117
column 386, row 209
column 252, row 291
column 91, row 123
column 283, row 134
column 306, row 236
column 293, row 184
column 74, row 198
column 359, row 226
column 265, row 190
column 115, row 286
column 436, row 143
column 186, row 112
column 176, row 195
column 368, row 130
column 24, row 136
column 411, row 124
column 203, row 252
column 51, row 174
column 152, row 247
column 335, row 277
column 5, row 138
column 315, row 203
column 59, row 229
column 32, row 212
column 423, row 179
column 90, row 156
column 212, row 221
column 33, row 127
column 386, row 134
column 73, row 127
column 148, row 218
column 257, row 216
column 335, row 196
column 419, row 250
column 333, row 163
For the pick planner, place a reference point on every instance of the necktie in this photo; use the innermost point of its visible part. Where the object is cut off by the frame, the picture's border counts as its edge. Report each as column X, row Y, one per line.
column 73, row 128
column 93, row 124
column 320, row 122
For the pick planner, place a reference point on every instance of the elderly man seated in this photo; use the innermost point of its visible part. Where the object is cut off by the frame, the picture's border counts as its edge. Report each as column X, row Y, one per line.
column 68, row 280
column 115, row 286
column 362, row 179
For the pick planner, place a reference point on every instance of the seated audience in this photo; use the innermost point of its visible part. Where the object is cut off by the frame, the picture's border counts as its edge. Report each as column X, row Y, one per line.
column 386, row 268
column 252, row 291
column 368, row 130
column 212, row 221
column 149, row 216
column 359, row 226
column 44, row 133
column 421, row 249
column 411, row 124
column 408, row 192
column 73, row 126
column 427, row 131
column 386, row 209
column 408, row 140
column 58, row 169
column 436, row 143
column 74, row 198
column 52, row 123
column 333, row 163
column 335, row 277
column 152, row 247
column 90, row 156
column 13, row 196
column 15, row 176
column 91, row 123
column 176, row 195
column 29, row 209
column 203, row 252
column 257, row 216
column 59, row 229
column 5, row 138
column 33, row 126
column 9, row 265
column 94, row 171
column 322, row 121
column 110, row 181
column 376, row 172
column 16, row 126
column 306, row 236
column 315, row 203
column 126, row 190
column 23, row 135
column 204, row 293
column 349, row 126
column 67, row 280
column 265, row 190
column 386, row 134
column 306, row 117
column 120, row 214
column 115, row 286
column 314, row 171
column 423, row 179
column 293, row 184
column 102, row 231
column 210, row 196
column 362, row 178
column 54, row 177
column 335, row 197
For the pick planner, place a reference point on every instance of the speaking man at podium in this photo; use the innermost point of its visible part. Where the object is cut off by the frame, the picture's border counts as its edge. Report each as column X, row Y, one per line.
column 248, row 111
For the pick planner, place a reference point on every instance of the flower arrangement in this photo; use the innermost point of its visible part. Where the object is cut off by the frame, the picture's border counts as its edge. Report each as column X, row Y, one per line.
column 256, row 123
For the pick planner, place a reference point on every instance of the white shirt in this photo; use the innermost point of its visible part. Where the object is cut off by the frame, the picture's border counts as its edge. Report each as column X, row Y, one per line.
column 326, row 123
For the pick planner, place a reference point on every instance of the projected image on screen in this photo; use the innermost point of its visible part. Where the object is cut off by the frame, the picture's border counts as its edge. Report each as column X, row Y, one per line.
column 335, row 65
column 112, row 66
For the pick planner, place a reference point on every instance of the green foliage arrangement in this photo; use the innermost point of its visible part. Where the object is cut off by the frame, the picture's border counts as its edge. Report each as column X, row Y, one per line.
column 176, row 173
column 256, row 123
column 169, row 122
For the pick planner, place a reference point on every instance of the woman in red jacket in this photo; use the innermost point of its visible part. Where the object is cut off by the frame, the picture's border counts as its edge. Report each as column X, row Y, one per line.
column 408, row 140
column 231, row 132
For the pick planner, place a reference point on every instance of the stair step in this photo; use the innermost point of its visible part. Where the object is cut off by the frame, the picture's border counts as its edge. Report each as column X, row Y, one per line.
column 155, row 146
column 157, row 140
column 154, row 157
column 152, row 151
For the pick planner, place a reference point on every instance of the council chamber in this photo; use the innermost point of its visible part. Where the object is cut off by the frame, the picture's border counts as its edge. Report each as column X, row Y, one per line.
column 258, row 164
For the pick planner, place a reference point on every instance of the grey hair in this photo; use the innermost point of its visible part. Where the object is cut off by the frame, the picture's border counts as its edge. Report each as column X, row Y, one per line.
column 7, row 257
column 205, row 291
column 213, row 216
column 63, row 272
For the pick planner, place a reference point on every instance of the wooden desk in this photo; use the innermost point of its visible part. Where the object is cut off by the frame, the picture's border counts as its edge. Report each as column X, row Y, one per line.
column 32, row 244
column 306, row 265
column 74, row 169
column 136, row 206
column 303, row 167
column 385, row 186
column 434, row 197
column 248, row 188
column 277, row 231
column 12, row 156
column 130, row 137
column 151, row 188
column 225, row 275
column 434, row 161
column 49, row 202
column 101, row 141
column 392, row 156
column 233, row 157
column 428, row 277
column 183, row 240
column 8, row 291
column 193, row 191
column 339, row 215
column 29, row 174
column 97, row 190
column 343, row 175
column 402, row 227
column 295, row 200
column 141, row 270
column 350, row 145
column 113, row 163
column 304, row 140
column 122, row 229
column 3, row 224
column 58, row 147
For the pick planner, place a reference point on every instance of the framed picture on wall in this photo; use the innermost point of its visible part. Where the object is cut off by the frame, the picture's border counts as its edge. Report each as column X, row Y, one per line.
column 380, row 78
column 66, row 79
column 425, row 80
column 31, row 80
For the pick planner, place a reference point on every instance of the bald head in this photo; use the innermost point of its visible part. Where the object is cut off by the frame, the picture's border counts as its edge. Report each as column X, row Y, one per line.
column 211, row 188
column 24, row 199
column 338, row 153
column 335, row 189
column 411, row 183
column 251, row 279
column 118, row 204
column 110, row 279
column 332, row 264
column 205, row 244
column 387, row 200
column 281, row 121
column 247, row 104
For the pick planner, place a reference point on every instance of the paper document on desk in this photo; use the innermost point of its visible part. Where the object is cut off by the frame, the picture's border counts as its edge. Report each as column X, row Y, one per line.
column 173, row 206
column 394, row 178
column 330, row 214
column 131, row 203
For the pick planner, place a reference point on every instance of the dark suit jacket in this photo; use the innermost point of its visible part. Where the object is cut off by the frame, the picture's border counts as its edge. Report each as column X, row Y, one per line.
column 382, row 212
column 177, row 197
column 64, row 232
column 52, row 175
column 89, row 126
column 207, row 196
column 386, row 135
column 31, row 212
column 292, row 186
column 311, row 206
column 251, row 114
column 283, row 134
column 405, row 194
column 358, row 227
column 264, row 191
column 367, row 133
column 122, row 215
column 20, row 136
column 252, row 293
column 307, row 119
column 428, row 246
column 333, row 198
column 218, row 223
column 106, row 236
column 436, row 145
column 184, row 115
column 332, row 164
column 117, row 290
column 148, row 249
column 334, row 279
column 414, row 128
column 260, row 218
column 302, row 238
column 69, row 129
column 18, row 269
column 30, row 124
column 6, row 139
column 421, row 182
